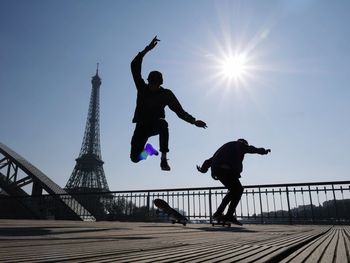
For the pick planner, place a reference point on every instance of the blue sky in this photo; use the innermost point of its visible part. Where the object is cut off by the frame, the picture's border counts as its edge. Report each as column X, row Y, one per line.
column 293, row 99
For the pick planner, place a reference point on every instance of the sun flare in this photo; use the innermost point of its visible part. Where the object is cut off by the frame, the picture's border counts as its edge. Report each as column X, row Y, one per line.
column 234, row 66
column 234, row 63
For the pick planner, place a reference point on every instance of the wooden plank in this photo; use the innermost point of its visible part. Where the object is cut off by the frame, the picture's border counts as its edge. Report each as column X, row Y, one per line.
column 342, row 252
column 52, row 241
column 324, row 249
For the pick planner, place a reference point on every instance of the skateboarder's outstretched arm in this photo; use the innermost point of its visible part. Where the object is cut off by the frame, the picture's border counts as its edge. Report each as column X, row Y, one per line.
column 136, row 64
column 176, row 107
column 205, row 166
column 252, row 149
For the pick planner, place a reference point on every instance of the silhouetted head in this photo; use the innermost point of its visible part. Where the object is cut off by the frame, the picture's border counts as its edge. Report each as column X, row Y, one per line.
column 243, row 141
column 155, row 78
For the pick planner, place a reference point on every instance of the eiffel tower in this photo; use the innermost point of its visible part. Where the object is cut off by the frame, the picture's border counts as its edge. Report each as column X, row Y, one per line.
column 88, row 174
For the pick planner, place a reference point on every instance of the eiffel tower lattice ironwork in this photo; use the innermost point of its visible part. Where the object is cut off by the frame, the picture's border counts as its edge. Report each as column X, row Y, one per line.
column 88, row 174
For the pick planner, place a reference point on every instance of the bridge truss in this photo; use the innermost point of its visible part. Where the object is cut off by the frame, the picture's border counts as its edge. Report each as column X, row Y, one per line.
column 22, row 185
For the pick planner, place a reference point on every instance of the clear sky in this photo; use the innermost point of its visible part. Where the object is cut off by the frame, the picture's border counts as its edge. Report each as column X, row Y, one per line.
column 292, row 96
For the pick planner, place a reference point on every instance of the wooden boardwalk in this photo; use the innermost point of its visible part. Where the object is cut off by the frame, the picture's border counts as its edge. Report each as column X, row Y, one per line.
column 70, row 241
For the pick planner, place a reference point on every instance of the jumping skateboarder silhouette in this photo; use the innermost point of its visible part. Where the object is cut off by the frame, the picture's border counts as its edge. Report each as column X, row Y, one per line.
column 226, row 165
column 149, row 114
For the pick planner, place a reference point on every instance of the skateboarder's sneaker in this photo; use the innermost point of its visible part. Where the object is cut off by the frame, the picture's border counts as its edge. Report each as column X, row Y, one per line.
column 164, row 164
column 236, row 222
column 217, row 216
column 147, row 151
column 232, row 219
column 143, row 155
column 150, row 150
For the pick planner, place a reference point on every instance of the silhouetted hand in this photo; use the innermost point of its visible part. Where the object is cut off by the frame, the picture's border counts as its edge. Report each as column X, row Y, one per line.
column 267, row 151
column 200, row 169
column 153, row 43
column 200, row 124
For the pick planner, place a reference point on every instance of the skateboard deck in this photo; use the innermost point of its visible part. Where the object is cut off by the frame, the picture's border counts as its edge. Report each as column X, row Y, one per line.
column 221, row 223
column 174, row 215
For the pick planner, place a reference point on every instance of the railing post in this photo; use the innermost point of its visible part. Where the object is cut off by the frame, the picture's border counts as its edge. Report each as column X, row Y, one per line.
column 288, row 203
column 130, row 204
column 188, row 204
column 261, row 210
column 335, row 205
column 210, row 208
column 254, row 204
column 194, row 204
column 267, row 204
column 148, row 203
column 246, row 196
column 312, row 208
column 274, row 202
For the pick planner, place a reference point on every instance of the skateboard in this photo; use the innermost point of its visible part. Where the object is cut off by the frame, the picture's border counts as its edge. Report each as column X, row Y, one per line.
column 174, row 215
column 221, row 223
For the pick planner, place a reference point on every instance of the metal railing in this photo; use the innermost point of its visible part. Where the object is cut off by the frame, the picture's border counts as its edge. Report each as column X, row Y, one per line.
column 300, row 203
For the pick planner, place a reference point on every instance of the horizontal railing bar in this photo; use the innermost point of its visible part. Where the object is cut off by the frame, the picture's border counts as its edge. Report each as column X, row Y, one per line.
column 283, row 186
column 222, row 188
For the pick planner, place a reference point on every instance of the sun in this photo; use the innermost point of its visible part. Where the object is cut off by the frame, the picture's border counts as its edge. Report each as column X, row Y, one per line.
column 235, row 63
column 234, row 66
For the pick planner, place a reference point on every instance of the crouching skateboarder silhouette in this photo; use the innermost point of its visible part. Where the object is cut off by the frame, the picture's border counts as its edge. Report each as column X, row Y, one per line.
column 226, row 166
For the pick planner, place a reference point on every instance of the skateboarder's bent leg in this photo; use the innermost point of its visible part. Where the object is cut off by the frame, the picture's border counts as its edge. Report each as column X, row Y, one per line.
column 224, row 178
column 163, row 136
column 160, row 127
column 224, row 203
column 163, row 143
column 236, row 189
column 145, row 130
column 138, row 142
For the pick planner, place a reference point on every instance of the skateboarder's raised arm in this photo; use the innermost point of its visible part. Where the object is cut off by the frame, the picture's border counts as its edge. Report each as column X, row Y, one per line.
column 136, row 64
column 136, row 72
